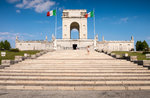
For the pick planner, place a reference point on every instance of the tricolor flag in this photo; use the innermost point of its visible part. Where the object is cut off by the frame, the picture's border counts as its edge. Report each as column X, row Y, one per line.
column 90, row 14
column 51, row 13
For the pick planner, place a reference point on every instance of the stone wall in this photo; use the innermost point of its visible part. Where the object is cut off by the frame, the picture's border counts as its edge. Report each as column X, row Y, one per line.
column 34, row 45
column 62, row 44
column 115, row 45
column 68, row 43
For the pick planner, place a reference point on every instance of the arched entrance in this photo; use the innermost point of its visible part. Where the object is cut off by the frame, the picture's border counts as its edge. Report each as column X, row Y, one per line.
column 74, row 30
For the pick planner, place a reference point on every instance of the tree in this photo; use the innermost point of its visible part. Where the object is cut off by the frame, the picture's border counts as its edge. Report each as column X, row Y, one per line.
column 138, row 46
column 141, row 46
column 7, row 45
column 145, row 46
column 1, row 45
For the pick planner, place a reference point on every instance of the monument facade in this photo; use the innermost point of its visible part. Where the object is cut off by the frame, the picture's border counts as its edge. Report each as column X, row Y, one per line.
column 75, row 19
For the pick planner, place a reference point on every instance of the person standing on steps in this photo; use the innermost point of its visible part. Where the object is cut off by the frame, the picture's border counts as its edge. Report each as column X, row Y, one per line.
column 88, row 50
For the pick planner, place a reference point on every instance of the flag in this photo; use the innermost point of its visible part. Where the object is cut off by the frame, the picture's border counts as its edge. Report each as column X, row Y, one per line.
column 51, row 13
column 90, row 14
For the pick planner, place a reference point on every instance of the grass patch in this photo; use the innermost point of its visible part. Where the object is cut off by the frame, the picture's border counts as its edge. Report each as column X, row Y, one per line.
column 11, row 55
column 140, row 55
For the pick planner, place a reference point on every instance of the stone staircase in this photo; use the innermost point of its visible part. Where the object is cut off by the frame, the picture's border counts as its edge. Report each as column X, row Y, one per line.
column 75, row 70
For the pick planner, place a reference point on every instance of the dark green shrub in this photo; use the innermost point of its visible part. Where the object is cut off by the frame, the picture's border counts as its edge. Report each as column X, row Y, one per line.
column 14, row 50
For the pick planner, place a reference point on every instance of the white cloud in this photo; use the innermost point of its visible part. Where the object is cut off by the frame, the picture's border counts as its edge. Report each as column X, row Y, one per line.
column 12, row 1
column 124, row 20
column 38, row 5
column 7, row 36
column 18, row 11
column 12, row 36
column 4, row 33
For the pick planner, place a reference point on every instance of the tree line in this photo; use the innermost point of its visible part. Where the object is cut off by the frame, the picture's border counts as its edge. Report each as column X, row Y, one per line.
column 5, row 45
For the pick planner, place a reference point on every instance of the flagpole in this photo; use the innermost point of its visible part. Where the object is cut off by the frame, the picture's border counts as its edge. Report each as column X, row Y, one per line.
column 56, row 23
column 94, row 21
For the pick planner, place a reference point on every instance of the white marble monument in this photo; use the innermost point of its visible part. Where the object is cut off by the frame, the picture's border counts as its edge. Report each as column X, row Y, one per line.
column 75, row 19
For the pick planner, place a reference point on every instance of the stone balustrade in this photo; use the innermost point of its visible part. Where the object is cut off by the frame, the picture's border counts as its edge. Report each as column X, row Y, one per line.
column 118, row 56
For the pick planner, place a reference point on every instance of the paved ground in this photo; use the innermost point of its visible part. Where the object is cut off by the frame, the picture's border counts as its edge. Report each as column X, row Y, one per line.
column 73, row 94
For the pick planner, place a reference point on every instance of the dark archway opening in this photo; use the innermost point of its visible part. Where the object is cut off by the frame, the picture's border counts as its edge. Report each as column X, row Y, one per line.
column 74, row 46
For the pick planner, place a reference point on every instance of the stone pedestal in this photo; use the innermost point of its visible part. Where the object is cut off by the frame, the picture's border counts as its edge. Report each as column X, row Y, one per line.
column 33, row 56
column 125, row 55
column 19, row 58
column 113, row 54
column 148, row 56
column 108, row 52
column 38, row 54
column 7, row 62
column 133, row 58
column 118, row 56
column 146, row 63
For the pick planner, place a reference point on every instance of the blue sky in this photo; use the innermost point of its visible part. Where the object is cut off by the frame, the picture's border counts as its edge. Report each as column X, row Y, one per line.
column 115, row 19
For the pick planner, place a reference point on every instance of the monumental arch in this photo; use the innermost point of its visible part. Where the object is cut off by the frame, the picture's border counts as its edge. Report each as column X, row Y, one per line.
column 75, row 19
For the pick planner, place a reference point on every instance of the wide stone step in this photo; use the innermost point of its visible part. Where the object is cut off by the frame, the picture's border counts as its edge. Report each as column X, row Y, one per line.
column 75, row 70
column 75, row 88
column 53, row 78
column 76, row 60
column 79, row 70
column 74, row 65
column 74, row 83
column 75, row 74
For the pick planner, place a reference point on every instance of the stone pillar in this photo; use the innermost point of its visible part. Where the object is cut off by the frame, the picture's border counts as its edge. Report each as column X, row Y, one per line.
column 55, row 44
column 103, row 38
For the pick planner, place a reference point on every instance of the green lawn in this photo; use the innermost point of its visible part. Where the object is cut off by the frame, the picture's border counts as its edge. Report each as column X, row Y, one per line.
column 11, row 55
column 140, row 56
